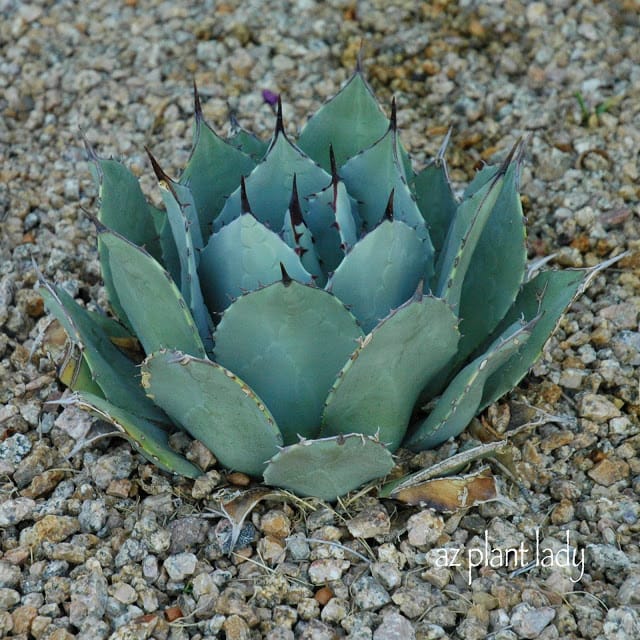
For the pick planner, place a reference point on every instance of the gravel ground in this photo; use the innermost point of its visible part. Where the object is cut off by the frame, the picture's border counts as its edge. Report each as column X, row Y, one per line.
column 102, row 545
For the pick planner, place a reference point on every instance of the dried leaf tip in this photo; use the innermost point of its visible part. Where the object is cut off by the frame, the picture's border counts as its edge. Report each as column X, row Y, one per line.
column 294, row 205
column 157, row 169
column 286, row 278
column 279, row 119
column 388, row 212
column 245, row 207
column 393, row 120
column 197, row 105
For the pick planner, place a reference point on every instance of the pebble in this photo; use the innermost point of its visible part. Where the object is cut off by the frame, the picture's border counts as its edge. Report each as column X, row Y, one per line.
column 327, row 570
column 16, row 510
column 394, row 627
column 528, row 621
column 609, row 471
column 597, row 408
column 629, row 592
column 52, row 528
column 369, row 594
column 180, row 566
column 424, row 528
column 370, row 522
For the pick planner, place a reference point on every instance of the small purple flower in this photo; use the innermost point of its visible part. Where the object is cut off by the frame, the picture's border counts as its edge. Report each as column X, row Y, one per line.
column 270, row 97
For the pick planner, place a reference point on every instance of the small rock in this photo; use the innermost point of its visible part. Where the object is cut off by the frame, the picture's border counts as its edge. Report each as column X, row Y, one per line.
column 327, row 570
column 22, row 619
column 9, row 598
column 388, row 575
column 597, row 408
column 93, row 515
column 369, row 594
column 609, row 471
column 52, row 528
column 298, row 547
column 124, row 593
column 370, row 522
column 187, row 534
column 424, row 528
column 9, row 574
column 113, row 466
column 528, row 622
column 621, row 623
column 15, row 511
column 335, row 610
column 180, row 566
column 394, row 627
column 15, row 448
column 606, row 557
column 629, row 592
column 204, row 485
column 235, row 628
column 276, row 523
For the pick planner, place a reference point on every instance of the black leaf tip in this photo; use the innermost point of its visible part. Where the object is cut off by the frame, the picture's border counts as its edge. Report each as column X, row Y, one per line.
column 393, row 120
column 388, row 212
column 197, row 105
column 286, row 278
column 279, row 119
column 157, row 169
column 294, row 206
column 245, row 207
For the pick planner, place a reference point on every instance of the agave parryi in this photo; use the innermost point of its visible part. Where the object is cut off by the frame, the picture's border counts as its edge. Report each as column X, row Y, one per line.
column 298, row 304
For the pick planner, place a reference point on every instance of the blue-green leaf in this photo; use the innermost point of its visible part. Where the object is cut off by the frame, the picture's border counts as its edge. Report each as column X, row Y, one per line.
column 329, row 467
column 152, row 302
column 214, row 406
column 381, row 272
column 288, row 341
column 376, row 390
column 243, row 256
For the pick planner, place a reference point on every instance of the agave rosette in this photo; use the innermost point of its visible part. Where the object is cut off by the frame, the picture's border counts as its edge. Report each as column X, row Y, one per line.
column 299, row 305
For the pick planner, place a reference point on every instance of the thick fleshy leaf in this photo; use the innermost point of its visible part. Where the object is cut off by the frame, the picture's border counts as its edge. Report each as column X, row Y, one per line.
column 246, row 141
column 351, row 121
column 435, row 198
column 215, row 407
column 298, row 236
column 461, row 400
column 124, row 209
column 329, row 467
column 381, row 272
column 169, row 253
column 382, row 161
column 152, row 302
column 547, row 295
column 497, row 267
column 376, row 390
column 288, row 341
column 330, row 217
column 146, row 437
column 464, row 234
column 123, row 206
column 183, row 219
column 210, row 153
column 269, row 185
column 242, row 257
column 116, row 375
column 75, row 373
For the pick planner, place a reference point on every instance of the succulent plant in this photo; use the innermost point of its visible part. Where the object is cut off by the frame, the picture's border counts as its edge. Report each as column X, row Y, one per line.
column 305, row 309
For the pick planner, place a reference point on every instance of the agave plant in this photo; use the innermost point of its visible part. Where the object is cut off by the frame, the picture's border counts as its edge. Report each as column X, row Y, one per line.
column 305, row 309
